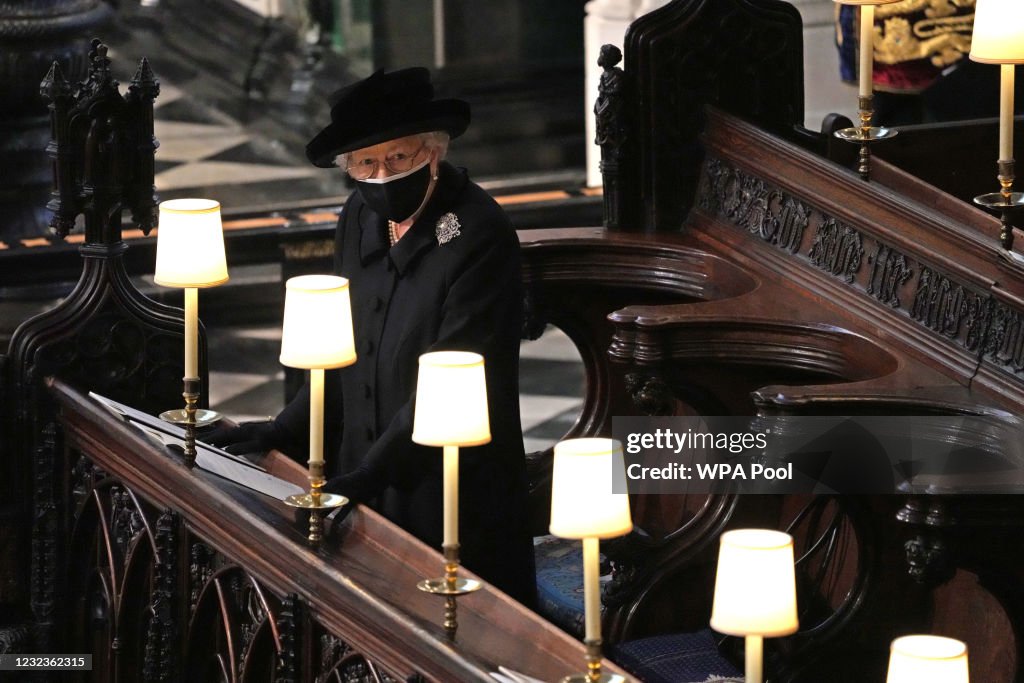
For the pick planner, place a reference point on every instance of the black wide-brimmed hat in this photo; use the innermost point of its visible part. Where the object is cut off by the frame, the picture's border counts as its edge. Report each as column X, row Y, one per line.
column 383, row 107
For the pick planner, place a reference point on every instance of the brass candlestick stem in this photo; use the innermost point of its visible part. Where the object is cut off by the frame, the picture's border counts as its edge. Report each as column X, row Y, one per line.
column 450, row 587
column 191, row 395
column 1006, row 201
column 865, row 134
column 594, row 674
column 190, row 417
column 316, row 501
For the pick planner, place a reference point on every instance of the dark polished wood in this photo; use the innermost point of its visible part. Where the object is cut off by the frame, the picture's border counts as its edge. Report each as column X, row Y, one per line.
column 843, row 297
column 891, row 297
column 359, row 589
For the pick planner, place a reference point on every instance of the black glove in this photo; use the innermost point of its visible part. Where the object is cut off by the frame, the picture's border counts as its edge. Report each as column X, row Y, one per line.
column 357, row 486
column 248, row 437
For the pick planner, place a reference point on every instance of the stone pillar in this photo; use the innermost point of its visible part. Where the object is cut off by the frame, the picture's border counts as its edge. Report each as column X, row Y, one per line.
column 606, row 21
column 34, row 34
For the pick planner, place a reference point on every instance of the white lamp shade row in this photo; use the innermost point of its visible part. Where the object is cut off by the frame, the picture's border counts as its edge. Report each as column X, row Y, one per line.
column 190, row 244
column 317, row 329
column 582, row 502
column 934, row 659
column 998, row 32
column 451, row 400
column 755, row 586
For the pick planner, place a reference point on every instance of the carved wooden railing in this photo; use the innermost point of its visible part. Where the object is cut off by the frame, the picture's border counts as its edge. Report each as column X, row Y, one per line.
column 889, row 297
column 175, row 574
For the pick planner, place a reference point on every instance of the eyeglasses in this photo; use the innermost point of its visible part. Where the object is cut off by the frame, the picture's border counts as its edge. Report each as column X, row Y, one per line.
column 396, row 162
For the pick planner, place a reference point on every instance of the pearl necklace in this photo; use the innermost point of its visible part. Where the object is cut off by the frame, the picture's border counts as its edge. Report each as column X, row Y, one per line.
column 393, row 235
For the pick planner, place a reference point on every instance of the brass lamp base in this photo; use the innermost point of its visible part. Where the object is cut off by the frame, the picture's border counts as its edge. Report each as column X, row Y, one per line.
column 865, row 134
column 869, row 134
column 316, row 501
column 179, row 416
column 997, row 200
column 440, row 586
column 189, row 417
column 450, row 587
column 1006, row 201
column 594, row 674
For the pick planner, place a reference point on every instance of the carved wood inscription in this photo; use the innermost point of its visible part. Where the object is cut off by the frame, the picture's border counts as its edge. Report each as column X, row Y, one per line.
column 967, row 316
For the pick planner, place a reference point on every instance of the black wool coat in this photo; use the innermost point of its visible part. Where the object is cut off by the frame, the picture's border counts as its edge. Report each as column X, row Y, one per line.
column 421, row 295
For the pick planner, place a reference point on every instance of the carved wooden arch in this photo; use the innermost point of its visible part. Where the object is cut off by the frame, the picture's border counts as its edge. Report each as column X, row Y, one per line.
column 575, row 284
column 837, row 561
column 233, row 635
column 744, row 56
column 115, row 532
column 647, row 571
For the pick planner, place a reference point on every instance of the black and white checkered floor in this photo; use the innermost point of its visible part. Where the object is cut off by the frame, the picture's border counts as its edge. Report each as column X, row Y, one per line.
column 247, row 382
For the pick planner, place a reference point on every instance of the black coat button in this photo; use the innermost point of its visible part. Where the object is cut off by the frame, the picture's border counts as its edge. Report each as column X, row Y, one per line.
column 367, row 391
column 378, row 303
column 368, row 346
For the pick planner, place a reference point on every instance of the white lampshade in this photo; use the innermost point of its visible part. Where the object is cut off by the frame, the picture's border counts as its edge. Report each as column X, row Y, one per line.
column 582, row 502
column 998, row 32
column 317, row 330
column 190, row 244
column 451, row 400
column 927, row 658
column 755, row 586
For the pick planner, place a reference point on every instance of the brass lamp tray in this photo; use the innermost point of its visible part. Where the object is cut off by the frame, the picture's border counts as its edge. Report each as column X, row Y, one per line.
column 203, row 417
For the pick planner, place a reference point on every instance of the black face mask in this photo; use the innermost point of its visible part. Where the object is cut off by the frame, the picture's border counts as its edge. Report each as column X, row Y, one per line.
column 399, row 196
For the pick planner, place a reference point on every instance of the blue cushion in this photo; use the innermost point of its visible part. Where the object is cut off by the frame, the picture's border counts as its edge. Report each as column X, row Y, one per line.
column 560, row 582
column 674, row 658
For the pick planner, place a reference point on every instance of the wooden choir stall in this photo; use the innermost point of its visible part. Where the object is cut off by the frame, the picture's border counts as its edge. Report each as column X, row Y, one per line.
column 745, row 269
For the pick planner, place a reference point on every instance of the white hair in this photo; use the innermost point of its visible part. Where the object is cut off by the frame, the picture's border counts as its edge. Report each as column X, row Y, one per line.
column 432, row 140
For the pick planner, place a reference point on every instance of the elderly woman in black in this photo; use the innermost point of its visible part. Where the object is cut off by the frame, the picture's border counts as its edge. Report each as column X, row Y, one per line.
column 433, row 265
